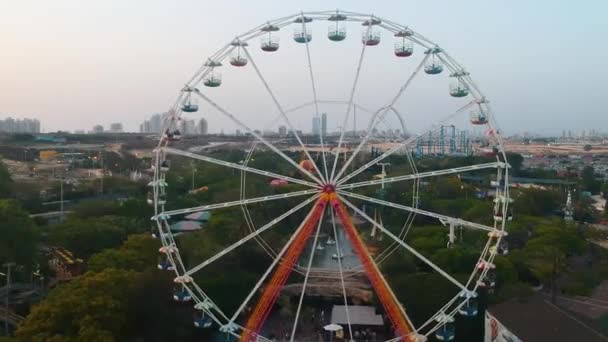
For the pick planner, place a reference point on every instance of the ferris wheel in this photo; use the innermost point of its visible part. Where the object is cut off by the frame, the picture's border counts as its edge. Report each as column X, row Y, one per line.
column 332, row 176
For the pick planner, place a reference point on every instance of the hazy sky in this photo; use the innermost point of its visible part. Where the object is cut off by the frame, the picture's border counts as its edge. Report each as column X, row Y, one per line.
column 73, row 64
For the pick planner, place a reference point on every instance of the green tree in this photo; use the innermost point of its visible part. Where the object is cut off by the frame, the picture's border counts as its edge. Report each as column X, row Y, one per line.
column 85, row 237
column 536, row 202
column 547, row 252
column 588, row 180
column 138, row 253
column 515, row 160
column 112, row 305
column 19, row 242
column 93, row 306
column 6, row 182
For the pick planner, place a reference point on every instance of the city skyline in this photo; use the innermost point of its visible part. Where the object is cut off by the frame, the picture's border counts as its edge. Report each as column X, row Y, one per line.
column 85, row 61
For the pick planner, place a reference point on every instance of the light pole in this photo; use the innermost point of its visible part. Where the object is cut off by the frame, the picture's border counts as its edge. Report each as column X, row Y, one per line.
column 8, row 266
column 193, row 172
column 61, row 196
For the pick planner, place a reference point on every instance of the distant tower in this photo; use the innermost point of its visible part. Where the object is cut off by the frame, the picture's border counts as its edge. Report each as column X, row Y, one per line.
column 203, row 128
column 324, row 124
column 97, row 129
column 568, row 211
column 282, row 131
column 316, row 126
column 116, row 127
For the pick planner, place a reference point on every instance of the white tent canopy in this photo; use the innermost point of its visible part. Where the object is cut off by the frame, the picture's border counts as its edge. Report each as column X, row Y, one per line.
column 358, row 314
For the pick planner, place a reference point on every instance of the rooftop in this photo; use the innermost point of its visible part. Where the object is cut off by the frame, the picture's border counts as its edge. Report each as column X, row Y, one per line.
column 537, row 319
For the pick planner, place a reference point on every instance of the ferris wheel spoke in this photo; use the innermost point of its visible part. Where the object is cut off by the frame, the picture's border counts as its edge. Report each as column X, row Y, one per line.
column 251, row 236
column 274, row 263
column 315, row 99
column 404, row 144
column 420, row 175
column 378, row 117
column 236, row 166
column 239, row 202
column 282, row 111
column 349, row 106
column 403, row 244
column 341, row 270
column 441, row 217
column 305, row 283
column 257, row 136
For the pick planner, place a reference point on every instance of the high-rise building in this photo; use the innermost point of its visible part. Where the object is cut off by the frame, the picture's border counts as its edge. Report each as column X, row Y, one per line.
column 11, row 125
column 154, row 124
column 116, row 127
column 97, row 129
column 282, row 131
column 187, row 127
column 324, row 124
column 203, row 127
column 316, row 126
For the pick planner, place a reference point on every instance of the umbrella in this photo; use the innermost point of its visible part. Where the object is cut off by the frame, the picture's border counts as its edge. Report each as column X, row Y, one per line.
column 332, row 328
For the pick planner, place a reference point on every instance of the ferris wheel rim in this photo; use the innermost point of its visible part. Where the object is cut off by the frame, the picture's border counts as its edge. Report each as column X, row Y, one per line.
column 387, row 25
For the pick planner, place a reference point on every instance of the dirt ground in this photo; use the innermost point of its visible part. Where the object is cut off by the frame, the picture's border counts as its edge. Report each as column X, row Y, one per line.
column 566, row 149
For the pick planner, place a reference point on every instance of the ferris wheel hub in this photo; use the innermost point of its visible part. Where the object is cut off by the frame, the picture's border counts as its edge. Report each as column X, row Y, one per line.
column 329, row 188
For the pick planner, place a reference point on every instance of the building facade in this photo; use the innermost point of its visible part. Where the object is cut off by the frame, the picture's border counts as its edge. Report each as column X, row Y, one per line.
column 11, row 125
column 203, row 127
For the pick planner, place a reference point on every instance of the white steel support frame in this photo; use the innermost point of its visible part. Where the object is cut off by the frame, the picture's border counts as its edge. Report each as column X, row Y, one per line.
column 405, row 144
column 251, row 236
column 305, row 283
column 245, row 210
column 443, row 218
column 239, row 202
column 402, row 243
column 350, row 101
column 452, row 171
column 161, row 216
column 373, row 122
column 272, row 266
column 259, row 137
column 314, row 97
column 340, row 269
column 282, row 111
column 174, row 151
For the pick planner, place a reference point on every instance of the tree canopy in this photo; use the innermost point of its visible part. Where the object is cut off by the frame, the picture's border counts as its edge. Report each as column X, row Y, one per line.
column 20, row 239
column 6, row 182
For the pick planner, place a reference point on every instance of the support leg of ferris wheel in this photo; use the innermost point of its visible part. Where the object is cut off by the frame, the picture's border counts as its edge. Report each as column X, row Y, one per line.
column 274, row 286
column 404, row 144
column 394, row 310
column 259, row 137
column 305, row 283
column 282, row 111
column 378, row 117
column 341, row 271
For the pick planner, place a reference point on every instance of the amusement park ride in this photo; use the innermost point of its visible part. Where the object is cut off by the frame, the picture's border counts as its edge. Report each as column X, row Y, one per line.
column 329, row 185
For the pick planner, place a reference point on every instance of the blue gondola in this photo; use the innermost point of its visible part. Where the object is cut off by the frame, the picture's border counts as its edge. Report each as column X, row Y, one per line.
column 181, row 294
column 469, row 308
column 203, row 321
